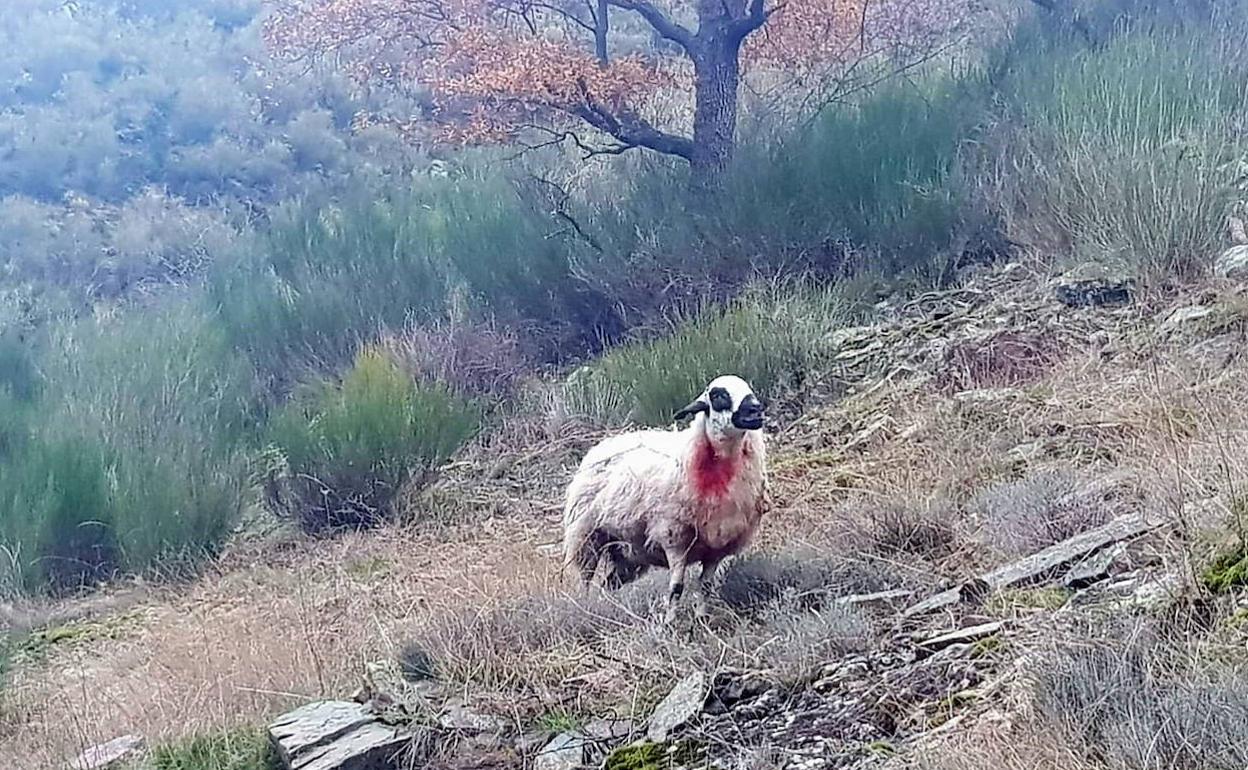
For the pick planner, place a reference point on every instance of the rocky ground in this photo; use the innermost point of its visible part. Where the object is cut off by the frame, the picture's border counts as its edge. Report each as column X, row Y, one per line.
column 1003, row 511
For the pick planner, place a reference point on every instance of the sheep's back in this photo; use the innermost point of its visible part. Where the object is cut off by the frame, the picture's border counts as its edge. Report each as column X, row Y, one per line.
column 624, row 477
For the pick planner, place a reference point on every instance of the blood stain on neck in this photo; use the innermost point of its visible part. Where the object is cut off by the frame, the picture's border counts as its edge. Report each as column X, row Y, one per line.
column 711, row 474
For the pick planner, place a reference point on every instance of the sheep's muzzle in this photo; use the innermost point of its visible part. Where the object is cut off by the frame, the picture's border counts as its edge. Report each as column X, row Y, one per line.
column 749, row 416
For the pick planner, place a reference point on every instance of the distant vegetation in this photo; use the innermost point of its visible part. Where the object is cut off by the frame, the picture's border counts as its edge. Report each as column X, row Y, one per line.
column 212, row 272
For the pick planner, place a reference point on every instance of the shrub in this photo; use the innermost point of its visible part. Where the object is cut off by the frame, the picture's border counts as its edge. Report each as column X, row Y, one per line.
column 328, row 278
column 871, row 185
column 231, row 750
column 1127, row 153
column 130, row 453
column 474, row 360
column 773, row 338
column 1046, row 507
column 350, row 446
column 1146, row 707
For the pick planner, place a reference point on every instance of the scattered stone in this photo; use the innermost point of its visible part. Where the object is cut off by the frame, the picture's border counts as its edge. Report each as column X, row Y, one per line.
column 1093, row 568
column 531, row 741
column 683, row 703
column 336, row 735
column 1232, row 263
column 457, row 716
column 1142, row 589
column 107, row 755
column 1092, row 287
column 1182, row 317
column 1052, row 558
column 565, row 752
column 960, row 636
column 855, row 600
column 603, row 729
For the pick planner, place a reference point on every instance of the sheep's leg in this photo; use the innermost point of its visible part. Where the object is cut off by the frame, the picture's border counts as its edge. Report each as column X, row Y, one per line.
column 676, row 563
column 704, row 582
column 623, row 569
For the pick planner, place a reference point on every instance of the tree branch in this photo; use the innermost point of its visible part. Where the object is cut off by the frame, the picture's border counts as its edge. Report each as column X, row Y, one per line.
column 666, row 28
column 628, row 129
column 756, row 16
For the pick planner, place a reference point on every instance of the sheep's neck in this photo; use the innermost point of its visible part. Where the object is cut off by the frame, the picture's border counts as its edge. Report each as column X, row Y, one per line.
column 713, row 468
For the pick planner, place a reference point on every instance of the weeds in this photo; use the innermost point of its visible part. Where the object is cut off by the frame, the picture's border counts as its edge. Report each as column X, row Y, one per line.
column 1141, row 704
column 1129, row 153
column 135, row 458
column 350, row 446
column 775, row 339
column 772, row 613
column 1021, row 517
column 241, row 749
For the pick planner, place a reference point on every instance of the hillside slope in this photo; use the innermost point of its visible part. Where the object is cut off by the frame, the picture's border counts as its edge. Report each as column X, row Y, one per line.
column 963, row 431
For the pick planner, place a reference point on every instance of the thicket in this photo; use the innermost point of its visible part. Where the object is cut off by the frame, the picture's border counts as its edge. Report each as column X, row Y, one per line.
column 126, row 432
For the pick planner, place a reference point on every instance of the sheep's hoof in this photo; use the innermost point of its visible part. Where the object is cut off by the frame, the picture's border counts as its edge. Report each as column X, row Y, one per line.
column 669, row 617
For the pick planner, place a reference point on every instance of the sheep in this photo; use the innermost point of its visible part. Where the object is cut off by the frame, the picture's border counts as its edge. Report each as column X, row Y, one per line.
column 655, row 498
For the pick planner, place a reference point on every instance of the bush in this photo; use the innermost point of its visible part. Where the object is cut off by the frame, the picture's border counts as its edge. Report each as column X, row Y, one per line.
column 773, row 338
column 1145, row 706
column 130, row 453
column 474, row 360
column 233, row 750
column 871, row 186
column 348, row 447
column 1127, row 153
column 329, row 278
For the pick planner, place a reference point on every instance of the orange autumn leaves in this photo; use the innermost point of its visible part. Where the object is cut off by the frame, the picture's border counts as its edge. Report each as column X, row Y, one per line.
column 492, row 67
column 510, row 81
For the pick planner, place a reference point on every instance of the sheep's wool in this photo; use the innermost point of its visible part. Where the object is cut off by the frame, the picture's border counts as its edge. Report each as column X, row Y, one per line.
column 697, row 492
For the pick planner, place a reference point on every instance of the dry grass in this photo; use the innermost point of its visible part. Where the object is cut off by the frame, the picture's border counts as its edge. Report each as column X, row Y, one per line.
column 485, row 600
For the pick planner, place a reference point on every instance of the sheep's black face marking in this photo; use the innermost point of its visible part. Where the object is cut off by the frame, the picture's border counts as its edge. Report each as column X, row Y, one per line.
column 721, row 401
column 749, row 416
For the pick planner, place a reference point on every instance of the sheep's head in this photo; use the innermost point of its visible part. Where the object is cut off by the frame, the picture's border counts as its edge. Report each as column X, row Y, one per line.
column 730, row 407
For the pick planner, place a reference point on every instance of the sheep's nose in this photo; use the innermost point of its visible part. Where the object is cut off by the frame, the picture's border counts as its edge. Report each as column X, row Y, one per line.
column 750, row 407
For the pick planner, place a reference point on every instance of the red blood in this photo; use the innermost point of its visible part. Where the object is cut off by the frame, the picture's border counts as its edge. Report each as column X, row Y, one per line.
column 711, row 474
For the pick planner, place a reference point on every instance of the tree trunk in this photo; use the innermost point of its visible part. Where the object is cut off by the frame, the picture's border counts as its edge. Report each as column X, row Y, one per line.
column 602, row 25
column 717, row 76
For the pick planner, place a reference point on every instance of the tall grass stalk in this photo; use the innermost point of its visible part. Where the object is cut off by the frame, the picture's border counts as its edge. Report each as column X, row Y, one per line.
column 1130, row 154
column 774, row 338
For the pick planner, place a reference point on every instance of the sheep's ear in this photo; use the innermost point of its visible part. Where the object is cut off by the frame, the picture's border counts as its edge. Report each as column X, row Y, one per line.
column 694, row 408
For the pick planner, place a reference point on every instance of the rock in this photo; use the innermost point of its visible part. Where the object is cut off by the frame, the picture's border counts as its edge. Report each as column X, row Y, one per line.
column 531, row 741
column 1093, row 568
column 1232, row 263
column 681, row 704
column 878, row 597
column 565, row 752
column 609, row 729
column 336, row 735
column 109, row 754
column 960, row 636
column 1092, row 287
column 457, row 716
column 1182, row 317
column 1054, row 557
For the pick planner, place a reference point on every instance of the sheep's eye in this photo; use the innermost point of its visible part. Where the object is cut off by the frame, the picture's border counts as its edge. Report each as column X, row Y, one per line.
column 720, row 400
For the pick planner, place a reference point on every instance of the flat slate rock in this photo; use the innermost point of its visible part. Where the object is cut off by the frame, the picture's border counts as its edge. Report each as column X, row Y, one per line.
column 565, row 752
column 109, row 754
column 1054, row 557
column 336, row 735
column 683, row 703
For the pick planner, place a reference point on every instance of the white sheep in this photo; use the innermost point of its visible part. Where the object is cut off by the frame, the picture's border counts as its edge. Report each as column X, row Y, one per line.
column 656, row 498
